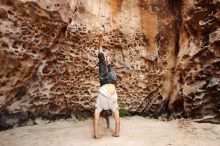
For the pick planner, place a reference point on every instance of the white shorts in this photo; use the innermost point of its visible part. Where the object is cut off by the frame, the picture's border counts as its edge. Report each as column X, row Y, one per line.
column 106, row 103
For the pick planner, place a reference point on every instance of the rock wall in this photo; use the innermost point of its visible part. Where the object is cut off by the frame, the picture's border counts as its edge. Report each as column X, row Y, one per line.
column 166, row 55
column 197, row 76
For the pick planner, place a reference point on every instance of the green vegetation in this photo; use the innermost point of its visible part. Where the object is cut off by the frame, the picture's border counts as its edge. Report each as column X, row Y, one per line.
column 124, row 113
column 83, row 116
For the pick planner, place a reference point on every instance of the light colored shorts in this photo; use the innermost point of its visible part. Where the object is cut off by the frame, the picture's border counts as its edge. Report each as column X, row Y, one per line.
column 106, row 103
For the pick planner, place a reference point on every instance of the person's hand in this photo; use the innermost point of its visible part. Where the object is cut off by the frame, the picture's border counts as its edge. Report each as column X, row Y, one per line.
column 97, row 137
column 115, row 135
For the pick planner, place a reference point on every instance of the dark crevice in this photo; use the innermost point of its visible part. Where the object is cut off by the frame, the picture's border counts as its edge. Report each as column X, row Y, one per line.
column 176, row 8
column 21, row 92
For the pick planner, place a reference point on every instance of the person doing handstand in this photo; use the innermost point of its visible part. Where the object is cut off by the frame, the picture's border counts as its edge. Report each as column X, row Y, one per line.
column 106, row 101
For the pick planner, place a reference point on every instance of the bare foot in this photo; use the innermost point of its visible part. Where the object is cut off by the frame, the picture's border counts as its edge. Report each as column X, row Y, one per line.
column 100, row 36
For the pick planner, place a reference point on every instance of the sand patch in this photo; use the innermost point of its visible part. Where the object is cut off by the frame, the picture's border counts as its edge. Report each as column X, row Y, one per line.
column 135, row 131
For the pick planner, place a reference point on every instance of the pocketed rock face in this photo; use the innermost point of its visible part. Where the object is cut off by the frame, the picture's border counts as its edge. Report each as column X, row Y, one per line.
column 166, row 55
column 28, row 33
column 197, row 73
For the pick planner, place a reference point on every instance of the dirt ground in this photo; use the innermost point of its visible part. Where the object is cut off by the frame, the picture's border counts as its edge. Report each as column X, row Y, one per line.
column 135, row 131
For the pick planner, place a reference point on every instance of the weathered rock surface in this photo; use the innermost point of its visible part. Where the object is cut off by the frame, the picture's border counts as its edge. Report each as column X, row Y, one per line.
column 197, row 69
column 167, row 55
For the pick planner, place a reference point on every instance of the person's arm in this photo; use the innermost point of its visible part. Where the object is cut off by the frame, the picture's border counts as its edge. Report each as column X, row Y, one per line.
column 95, row 124
column 117, row 124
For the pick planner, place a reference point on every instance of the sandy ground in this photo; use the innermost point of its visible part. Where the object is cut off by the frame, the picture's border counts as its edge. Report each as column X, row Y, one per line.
column 135, row 131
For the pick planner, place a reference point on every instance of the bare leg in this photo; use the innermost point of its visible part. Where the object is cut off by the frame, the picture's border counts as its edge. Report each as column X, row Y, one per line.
column 117, row 124
column 100, row 43
column 95, row 124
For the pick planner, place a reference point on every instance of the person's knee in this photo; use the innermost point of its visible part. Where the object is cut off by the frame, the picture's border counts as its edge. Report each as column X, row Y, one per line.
column 101, row 57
